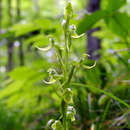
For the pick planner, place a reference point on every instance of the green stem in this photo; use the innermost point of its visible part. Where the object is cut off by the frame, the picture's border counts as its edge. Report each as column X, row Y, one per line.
column 66, row 55
column 63, row 109
column 103, row 117
column 66, row 74
column 66, row 30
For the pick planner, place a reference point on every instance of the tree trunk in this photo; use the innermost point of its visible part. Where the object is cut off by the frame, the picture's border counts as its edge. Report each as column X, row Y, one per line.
column 36, row 7
column 93, row 42
column 18, row 12
column 0, row 15
column 21, row 54
column 10, row 44
column 10, row 56
column 10, row 11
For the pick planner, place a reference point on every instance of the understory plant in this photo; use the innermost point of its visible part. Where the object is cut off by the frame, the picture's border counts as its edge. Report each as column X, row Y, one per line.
column 62, row 76
column 68, row 68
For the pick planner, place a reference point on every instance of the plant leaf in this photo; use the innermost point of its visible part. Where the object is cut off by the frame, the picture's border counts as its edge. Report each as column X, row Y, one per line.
column 105, row 92
column 89, row 20
column 112, row 5
column 119, row 24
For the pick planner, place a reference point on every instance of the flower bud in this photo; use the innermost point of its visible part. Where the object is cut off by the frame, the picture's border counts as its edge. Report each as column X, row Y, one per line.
column 49, row 123
column 72, row 27
column 70, row 113
column 67, row 95
column 57, row 125
column 68, row 11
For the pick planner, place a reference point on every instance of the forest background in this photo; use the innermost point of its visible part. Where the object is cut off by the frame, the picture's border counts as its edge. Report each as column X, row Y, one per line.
column 26, row 102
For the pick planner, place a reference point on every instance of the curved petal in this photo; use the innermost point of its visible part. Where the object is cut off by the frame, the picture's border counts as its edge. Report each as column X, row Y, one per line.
column 89, row 67
column 77, row 36
column 52, row 81
column 44, row 49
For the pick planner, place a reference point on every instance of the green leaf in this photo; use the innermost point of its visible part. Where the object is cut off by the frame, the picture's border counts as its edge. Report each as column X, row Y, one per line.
column 112, row 5
column 11, row 89
column 22, row 29
column 7, row 34
column 102, row 91
column 119, row 24
column 40, row 38
column 89, row 20
column 109, row 7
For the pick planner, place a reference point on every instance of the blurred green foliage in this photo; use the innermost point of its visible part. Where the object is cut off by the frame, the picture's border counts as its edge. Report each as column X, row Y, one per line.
column 27, row 103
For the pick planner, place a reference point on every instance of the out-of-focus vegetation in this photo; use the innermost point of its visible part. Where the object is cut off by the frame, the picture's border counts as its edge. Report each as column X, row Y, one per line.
column 101, row 96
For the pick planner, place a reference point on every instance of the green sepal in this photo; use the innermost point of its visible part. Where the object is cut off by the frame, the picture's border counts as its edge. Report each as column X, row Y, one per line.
column 51, row 81
column 89, row 67
column 72, row 29
column 45, row 48
column 76, row 36
column 52, row 72
column 57, row 125
column 50, row 122
column 102, row 100
column 83, row 58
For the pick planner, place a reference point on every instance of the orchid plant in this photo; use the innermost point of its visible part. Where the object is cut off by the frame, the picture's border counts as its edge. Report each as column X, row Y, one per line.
column 68, row 68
